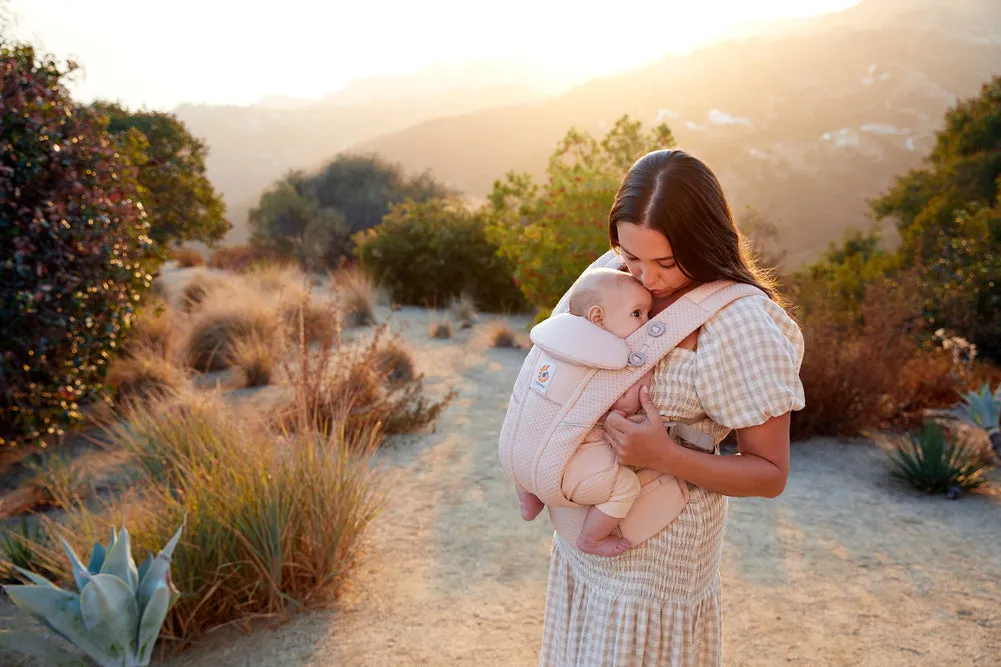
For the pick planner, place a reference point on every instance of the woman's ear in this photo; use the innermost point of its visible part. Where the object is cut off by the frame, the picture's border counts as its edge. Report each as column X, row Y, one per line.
column 596, row 316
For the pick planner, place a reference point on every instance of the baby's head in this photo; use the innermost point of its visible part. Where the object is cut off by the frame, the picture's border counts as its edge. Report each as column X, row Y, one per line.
column 613, row 300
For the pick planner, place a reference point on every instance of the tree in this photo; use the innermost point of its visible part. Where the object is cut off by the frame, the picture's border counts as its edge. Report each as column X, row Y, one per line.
column 350, row 194
column 74, row 251
column 949, row 217
column 426, row 253
column 179, row 199
column 553, row 231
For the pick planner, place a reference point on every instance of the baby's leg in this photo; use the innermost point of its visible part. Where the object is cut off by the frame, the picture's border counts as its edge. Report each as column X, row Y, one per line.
column 530, row 505
column 596, row 536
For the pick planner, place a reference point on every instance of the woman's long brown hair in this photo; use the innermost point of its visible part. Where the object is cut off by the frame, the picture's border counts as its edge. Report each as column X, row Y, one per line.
column 680, row 197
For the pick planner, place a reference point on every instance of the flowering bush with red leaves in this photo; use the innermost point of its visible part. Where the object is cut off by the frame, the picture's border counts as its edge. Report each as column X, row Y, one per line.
column 74, row 250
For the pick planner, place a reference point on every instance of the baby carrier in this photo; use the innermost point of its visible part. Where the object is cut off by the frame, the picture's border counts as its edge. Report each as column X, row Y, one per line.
column 563, row 390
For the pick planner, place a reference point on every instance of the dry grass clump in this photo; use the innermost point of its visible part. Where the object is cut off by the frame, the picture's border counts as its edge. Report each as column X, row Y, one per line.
column 198, row 288
column 464, row 311
column 234, row 258
column 256, row 358
column 359, row 387
column 501, row 334
column 153, row 329
column 144, row 375
column 317, row 316
column 393, row 361
column 269, row 529
column 272, row 277
column 357, row 295
column 187, row 258
column 217, row 328
column 441, row 329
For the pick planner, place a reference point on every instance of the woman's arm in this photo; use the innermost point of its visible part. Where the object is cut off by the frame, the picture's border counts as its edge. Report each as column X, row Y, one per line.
column 760, row 469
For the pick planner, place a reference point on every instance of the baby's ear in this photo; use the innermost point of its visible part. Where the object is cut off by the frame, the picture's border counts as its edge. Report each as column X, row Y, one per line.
column 596, row 316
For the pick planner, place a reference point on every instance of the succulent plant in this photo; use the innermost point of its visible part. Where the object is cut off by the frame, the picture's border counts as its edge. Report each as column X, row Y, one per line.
column 116, row 617
column 983, row 409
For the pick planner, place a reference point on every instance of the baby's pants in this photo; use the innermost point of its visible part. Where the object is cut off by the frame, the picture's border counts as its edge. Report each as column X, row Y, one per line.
column 594, row 477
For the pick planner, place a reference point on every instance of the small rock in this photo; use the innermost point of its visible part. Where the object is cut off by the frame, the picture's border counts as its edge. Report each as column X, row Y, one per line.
column 954, row 493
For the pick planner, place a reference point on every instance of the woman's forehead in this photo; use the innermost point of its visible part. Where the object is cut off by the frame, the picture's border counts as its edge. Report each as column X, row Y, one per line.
column 643, row 242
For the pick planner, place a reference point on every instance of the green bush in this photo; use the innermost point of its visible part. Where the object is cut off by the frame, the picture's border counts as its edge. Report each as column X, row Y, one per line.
column 551, row 233
column 948, row 215
column 430, row 252
column 74, row 250
column 312, row 217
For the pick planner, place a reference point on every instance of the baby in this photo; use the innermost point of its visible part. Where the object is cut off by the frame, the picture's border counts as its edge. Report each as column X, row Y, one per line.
column 619, row 304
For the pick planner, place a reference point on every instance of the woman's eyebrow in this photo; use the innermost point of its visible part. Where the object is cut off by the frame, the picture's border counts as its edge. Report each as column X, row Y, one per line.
column 669, row 258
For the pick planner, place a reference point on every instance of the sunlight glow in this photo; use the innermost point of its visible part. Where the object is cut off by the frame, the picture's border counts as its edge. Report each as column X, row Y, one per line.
column 218, row 51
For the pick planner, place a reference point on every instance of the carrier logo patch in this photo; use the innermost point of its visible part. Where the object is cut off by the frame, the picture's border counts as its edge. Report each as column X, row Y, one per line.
column 543, row 377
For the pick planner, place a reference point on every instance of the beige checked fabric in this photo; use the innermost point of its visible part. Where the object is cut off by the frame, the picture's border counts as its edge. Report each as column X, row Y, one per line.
column 659, row 603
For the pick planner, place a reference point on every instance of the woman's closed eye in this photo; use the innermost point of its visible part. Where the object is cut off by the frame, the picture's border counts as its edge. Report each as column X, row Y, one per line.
column 663, row 265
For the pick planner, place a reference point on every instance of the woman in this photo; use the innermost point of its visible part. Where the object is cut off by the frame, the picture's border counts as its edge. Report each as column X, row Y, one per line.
column 659, row 603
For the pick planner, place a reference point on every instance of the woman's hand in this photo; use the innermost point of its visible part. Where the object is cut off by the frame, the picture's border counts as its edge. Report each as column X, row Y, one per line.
column 641, row 441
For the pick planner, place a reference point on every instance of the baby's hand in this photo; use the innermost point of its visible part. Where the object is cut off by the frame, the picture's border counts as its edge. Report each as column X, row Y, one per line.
column 617, row 411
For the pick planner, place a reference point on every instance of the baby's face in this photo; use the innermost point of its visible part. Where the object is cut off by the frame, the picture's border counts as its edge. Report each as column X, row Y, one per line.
column 627, row 308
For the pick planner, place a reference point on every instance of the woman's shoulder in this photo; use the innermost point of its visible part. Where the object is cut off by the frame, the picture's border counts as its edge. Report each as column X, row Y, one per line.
column 754, row 317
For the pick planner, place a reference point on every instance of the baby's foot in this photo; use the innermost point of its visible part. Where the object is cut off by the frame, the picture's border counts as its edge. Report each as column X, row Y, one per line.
column 610, row 546
column 530, row 505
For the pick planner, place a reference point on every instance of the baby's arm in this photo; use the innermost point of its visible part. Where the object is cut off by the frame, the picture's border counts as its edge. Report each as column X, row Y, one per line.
column 629, row 403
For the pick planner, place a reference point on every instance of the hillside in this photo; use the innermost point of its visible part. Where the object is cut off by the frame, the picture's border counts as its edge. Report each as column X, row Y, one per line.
column 805, row 124
column 251, row 146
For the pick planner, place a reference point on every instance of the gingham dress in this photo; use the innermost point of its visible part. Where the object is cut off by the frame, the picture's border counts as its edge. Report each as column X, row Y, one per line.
column 659, row 603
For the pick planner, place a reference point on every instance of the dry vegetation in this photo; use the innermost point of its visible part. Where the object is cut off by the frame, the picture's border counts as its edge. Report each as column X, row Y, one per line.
column 276, row 501
column 187, row 257
column 859, row 379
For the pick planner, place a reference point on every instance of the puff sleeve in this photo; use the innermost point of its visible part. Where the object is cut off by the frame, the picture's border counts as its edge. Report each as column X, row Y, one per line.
column 748, row 363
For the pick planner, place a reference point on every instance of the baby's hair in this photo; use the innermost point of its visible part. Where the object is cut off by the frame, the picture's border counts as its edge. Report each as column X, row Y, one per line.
column 592, row 288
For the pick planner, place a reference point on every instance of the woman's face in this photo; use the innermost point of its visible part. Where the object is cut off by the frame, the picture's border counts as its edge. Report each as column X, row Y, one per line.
column 649, row 258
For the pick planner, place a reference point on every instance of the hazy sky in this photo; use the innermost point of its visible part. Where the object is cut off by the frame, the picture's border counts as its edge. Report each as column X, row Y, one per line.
column 160, row 54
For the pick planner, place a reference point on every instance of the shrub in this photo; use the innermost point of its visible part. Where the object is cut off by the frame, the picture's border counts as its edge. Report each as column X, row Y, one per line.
column 441, row 329
column 17, row 550
column 464, row 311
column 256, row 358
column 74, row 251
column 144, row 375
column 318, row 318
column 874, row 370
column 179, row 198
column 357, row 295
column 430, row 252
column 235, row 258
column 501, row 334
column 933, row 462
column 312, row 217
column 222, row 323
column 393, row 361
column 153, row 330
column 198, row 288
column 187, row 258
column 948, row 215
column 551, row 233
column 269, row 529
column 360, row 386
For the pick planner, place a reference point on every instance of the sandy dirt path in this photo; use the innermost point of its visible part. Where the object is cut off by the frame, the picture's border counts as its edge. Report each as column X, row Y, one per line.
column 845, row 568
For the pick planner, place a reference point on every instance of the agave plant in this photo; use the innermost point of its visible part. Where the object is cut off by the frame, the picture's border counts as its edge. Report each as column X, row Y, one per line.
column 116, row 617
column 983, row 409
column 933, row 462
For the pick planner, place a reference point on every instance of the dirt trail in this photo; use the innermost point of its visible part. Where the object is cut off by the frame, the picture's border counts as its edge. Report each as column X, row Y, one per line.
column 844, row 568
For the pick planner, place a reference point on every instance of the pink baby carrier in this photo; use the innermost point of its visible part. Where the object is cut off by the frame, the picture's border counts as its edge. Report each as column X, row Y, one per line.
column 563, row 390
